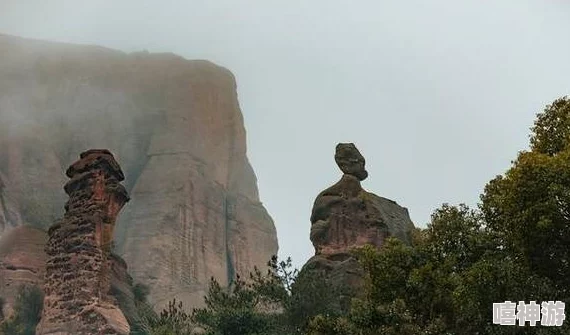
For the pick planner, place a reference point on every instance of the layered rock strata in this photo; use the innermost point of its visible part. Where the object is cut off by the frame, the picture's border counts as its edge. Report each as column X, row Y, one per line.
column 345, row 216
column 177, row 129
column 78, row 270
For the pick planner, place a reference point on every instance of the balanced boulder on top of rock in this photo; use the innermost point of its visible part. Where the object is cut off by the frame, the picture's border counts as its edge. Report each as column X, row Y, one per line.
column 345, row 216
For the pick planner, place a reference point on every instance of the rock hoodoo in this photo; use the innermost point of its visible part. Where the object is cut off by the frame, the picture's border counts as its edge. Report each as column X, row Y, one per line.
column 79, row 266
column 346, row 216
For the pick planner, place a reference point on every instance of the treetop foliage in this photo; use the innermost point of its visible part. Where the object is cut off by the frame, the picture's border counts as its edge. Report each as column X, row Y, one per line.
column 551, row 130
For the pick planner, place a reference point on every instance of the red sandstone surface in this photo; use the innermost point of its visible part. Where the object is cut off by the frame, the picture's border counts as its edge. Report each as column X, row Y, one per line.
column 344, row 217
column 22, row 262
column 78, row 270
column 177, row 129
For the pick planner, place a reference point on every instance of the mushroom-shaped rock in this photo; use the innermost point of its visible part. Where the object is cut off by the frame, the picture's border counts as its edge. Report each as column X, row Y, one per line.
column 344, row 217
column 96, row 159
column 80, row 265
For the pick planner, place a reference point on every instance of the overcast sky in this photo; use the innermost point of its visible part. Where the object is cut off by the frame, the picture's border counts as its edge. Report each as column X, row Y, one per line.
column 438, row 95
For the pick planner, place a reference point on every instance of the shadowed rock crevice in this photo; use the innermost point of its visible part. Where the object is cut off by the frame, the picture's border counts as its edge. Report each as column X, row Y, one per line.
column 22, row 262
column 5, row 220
column 228, row 232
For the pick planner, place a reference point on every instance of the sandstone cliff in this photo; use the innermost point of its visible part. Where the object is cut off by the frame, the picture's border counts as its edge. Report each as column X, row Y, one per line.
column 176, row 127
column 9, row 213
column 22, row 262
column 345, row 216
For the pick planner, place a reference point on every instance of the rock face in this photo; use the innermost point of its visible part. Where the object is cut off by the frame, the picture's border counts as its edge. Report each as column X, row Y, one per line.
column 22, row 262
column 177, row 129
column 346, row 216
column 122, row 290
column 9, row 213
column 78, row 270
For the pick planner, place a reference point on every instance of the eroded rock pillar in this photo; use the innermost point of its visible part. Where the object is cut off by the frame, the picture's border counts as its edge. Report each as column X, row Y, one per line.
column 345, row 217
column 78, row 271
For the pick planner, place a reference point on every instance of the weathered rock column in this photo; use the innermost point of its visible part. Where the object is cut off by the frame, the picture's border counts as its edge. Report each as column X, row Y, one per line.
column 78, row 271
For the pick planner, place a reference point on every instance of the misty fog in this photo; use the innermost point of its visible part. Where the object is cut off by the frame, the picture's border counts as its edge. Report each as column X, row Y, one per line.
column 438, row 95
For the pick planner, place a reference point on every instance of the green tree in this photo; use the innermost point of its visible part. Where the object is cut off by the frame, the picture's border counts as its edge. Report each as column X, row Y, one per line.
column 278, row 301
column 529, row 207
column 238, row 310
column 331, row 325
column 406, row 289
column 551, row 130
column 311, row 294
column 173, row 320
column 452, row 242
column 445, row 283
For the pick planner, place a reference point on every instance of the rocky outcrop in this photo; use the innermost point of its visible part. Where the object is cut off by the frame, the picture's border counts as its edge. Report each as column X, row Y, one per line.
column 345, row 216
column 22, row 262
column 177, row 129
column 78, row 270
column 122, row 289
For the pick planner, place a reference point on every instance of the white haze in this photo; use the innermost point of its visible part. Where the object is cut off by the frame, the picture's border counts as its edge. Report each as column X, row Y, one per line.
column 438, row 95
